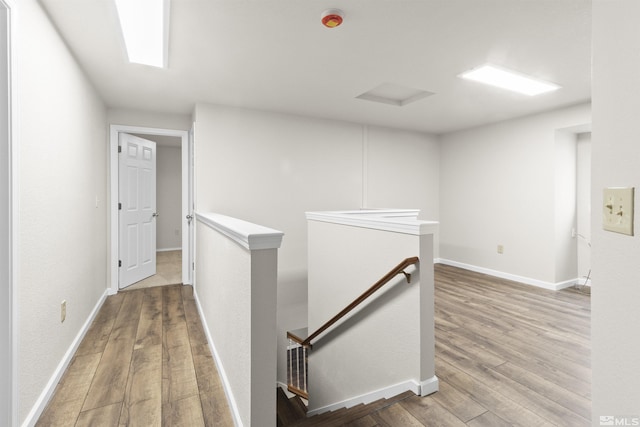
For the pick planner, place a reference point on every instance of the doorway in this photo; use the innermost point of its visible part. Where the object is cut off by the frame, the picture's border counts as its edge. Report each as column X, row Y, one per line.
column 181, row 143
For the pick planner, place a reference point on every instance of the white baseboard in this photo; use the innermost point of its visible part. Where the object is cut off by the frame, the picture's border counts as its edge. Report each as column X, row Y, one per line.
column 526, row 280
column 179, row 248
column 429, row 386
column 235, row 413
column 384, row 393
column 46, row 394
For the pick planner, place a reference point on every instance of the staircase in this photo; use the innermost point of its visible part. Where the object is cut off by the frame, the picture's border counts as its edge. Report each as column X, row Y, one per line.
column 293, row 412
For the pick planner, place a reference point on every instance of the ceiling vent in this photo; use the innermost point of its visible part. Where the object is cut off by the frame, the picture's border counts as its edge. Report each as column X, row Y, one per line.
column 392, row 94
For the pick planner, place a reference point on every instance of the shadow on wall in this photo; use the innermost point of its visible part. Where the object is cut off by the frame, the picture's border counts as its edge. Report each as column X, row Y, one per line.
column 383, row 297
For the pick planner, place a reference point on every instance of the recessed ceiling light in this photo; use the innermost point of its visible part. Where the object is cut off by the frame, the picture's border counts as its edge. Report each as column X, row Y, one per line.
column 510, row 80
column 145, row 29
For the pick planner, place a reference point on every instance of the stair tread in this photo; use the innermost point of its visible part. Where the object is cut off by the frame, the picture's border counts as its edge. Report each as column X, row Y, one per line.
column 287, row 412
column 346, row 415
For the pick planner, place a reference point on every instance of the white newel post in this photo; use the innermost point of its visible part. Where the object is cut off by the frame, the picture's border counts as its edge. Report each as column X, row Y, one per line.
column 386, row 346
column 236, row 289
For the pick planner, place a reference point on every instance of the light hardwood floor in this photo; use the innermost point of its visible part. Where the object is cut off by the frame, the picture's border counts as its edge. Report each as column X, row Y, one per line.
column 145, row 361
column 507, row 354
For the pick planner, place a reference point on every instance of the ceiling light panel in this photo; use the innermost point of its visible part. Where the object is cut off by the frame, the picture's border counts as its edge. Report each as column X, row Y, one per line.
column 145, row 29
column 510, row 80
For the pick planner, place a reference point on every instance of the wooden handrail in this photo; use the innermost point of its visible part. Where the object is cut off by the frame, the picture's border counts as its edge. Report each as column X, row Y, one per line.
column 399, row 269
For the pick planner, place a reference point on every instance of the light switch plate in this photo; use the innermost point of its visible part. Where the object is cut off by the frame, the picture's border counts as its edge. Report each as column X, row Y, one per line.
column 617, row 210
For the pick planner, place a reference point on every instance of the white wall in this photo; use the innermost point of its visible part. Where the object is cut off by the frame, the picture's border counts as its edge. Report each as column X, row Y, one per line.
column 5, row 227
column 385, row 346
column 565, row 206
column 62, row 173
column 123, row 116
column 169, row 197
column 616, row 162
column 498, row 187
column 271, row 168
column 583, row 203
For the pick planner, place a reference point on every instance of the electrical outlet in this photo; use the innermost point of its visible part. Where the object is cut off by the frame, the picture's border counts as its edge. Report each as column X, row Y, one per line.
column 500, row 249
column 63, row 311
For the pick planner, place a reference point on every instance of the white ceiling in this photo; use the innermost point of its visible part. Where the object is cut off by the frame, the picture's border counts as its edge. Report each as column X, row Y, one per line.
column 275, row 55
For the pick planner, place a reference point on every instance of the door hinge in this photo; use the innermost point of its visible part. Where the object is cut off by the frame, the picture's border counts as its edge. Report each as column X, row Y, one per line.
column 193, row 265
column 119, row 148
column 119, row 263
column 119, row 206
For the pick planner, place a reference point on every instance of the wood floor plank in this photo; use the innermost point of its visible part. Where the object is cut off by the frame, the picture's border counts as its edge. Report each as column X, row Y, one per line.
column 69, row 395
column 572, row 401
column 215, row 409
column 149, row 332
column 488, row 419
column 103, row 416
column 495, row 402
column 395, row 415
column 186, row 412
column 143, row 396
column 180, row 373
column 108, row 386
column 97, row 336
column 365, row 421
column 456, row 402
column 429, row 412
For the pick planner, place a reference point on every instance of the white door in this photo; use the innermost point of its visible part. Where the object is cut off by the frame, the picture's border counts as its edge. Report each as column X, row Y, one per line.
column 137, row 208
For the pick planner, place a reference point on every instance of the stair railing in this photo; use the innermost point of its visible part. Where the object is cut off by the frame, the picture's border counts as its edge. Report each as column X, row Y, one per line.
column 297, row 352
column 398, row 269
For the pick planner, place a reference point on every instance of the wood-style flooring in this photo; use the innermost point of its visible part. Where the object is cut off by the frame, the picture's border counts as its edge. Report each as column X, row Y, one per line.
column 145, row 361
column 507, row 354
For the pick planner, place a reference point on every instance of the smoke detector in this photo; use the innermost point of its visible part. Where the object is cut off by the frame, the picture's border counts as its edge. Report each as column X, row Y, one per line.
column 332, row 18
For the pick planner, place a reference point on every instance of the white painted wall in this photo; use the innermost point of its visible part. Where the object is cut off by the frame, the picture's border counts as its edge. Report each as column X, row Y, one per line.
column 271, row 168
column 393, row 160
column 565, row 206
column 123, row 116
column 498, row 186
column 169, row 197
column 62, row 172
column 583, row 204
column 386, row 345
column 6, row 346
column 616, row 162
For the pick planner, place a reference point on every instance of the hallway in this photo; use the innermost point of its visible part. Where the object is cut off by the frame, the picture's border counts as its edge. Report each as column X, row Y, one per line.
column 144, row 361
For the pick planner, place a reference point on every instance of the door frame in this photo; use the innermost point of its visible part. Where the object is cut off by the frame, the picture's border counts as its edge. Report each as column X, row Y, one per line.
column 9, row 228
column 187, row 173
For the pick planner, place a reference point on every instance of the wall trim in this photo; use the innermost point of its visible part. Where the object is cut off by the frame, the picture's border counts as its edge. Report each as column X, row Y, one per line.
column 395, row 220
column 47, row 393
column 429, row 386
column 521, row 279
column 235, row 413
column 248, row 235
column 383, row 393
